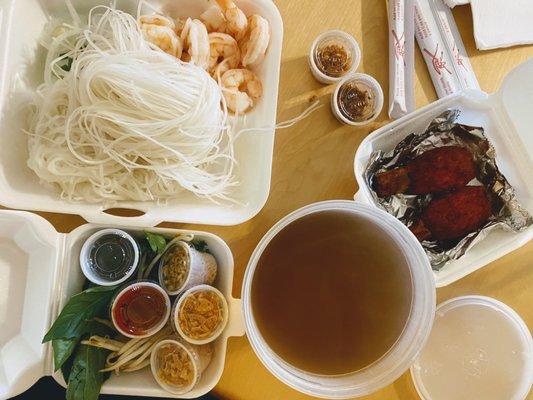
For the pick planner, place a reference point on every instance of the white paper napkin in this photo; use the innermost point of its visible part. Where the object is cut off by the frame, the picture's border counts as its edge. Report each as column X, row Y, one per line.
column 500, row 23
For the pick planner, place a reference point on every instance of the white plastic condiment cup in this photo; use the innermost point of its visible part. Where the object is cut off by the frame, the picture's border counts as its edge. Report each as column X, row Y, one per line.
column 369, row 81
column 334, row 37
column 85, row 254
column 202, row 268
column 156, row 328
column 199, row 355
column 178, row 304
column 401, row 355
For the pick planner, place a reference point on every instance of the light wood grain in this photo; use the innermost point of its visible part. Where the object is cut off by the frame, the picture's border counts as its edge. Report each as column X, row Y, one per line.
column 313, row 161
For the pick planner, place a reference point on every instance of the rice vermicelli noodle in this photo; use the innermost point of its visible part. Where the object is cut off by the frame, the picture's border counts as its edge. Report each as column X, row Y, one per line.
column 118, row 119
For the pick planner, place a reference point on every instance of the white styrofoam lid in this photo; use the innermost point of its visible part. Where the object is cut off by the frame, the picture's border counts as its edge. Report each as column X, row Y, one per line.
column 479, row 348
column 516, row 95
column 28, row 263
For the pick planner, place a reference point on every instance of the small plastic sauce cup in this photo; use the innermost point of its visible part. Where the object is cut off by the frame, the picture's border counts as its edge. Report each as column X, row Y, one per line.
column 363, row 83
column 85, row 256
column 339, row 39
column 179, row 303
column 145, row 305
column 202, row 268
column 200, row 357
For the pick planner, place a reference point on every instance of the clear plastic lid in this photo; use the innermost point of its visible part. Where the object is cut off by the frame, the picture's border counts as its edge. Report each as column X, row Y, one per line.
column 479, row 348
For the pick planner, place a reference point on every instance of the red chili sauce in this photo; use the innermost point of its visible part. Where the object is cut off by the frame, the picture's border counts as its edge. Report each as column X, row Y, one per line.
column 139, row 309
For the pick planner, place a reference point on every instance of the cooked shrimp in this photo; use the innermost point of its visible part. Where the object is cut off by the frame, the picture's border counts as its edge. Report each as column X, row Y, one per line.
column 254, row 45
column 237, row 24
column 214, row 19
column 164, row 38
column 224, row 53
column 159, row 20
column 241, row 88
column 179, row 25
column 196, row 41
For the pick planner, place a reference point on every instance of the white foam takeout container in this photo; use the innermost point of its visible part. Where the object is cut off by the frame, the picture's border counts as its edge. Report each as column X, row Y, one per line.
column 21, row 65
column 508, row 122
column 40, row 271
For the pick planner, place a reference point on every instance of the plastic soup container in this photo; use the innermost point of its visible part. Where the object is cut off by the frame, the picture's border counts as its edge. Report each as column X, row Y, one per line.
column 333, row 55
column 194, row 359
column 186, row 305
column 479, row 344
column 398, row 358
column 182, row 267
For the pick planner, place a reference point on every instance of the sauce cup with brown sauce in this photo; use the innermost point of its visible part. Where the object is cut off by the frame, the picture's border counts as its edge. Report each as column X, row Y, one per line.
column 357, row 100
column 333, row 55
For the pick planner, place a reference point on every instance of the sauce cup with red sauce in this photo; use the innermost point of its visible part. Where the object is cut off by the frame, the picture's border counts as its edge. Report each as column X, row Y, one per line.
column 140, row 310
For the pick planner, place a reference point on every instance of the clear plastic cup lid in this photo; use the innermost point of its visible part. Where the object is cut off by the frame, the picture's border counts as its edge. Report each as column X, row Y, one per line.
column 479, row 348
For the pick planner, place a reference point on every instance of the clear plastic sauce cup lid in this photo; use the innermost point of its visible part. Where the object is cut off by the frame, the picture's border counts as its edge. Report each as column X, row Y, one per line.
column 479, row 348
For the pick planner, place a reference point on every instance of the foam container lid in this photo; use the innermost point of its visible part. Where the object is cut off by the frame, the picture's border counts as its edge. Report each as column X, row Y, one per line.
column 21, row 64
column 479, row 348
column 40, row 271
column 507, row 120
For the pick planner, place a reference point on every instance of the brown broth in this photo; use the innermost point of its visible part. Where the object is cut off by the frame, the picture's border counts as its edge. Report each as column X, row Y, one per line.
column 331, row 293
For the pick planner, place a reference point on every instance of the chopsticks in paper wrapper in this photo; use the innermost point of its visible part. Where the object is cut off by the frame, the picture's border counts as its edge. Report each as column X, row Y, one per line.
column 442, row 48
column 431, row 21
column 401, row 57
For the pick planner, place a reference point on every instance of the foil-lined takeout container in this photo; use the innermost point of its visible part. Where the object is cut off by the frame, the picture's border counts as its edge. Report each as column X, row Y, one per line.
column 445, row 131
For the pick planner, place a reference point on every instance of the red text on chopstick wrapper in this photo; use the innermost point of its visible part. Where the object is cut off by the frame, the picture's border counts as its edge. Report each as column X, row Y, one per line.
column 399, row 45
column 430, row 43
column 442, row 48
column 401, row 58
column 437, row 60
column 452, row 39
column 398, row 33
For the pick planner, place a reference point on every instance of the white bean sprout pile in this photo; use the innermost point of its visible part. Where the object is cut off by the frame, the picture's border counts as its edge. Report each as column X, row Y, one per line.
column 118, row 119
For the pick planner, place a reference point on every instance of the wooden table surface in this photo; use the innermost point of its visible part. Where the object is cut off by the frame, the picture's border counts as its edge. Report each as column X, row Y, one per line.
column 313, row 161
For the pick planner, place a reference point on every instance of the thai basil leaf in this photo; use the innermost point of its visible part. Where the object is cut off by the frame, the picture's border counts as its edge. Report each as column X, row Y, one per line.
column 83, row 376
column 75, row 318
column 63, row 349
column 157, row 242
column 85, row 379
column 68, row 65
column 67, row 365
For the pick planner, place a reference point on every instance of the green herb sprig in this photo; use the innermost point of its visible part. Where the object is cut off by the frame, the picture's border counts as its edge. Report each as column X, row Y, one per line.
column 81, row 364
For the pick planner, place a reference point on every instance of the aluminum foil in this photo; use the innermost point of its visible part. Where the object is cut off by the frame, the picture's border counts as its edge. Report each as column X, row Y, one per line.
column 444, row 131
